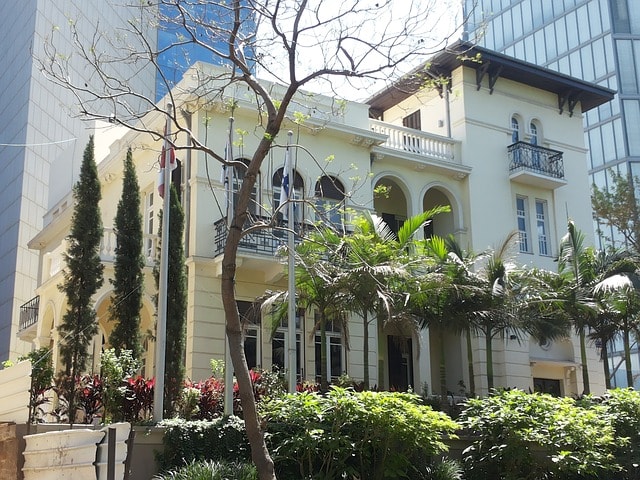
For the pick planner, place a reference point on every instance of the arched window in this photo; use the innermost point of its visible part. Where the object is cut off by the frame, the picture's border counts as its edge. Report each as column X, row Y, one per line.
column 238, row 177
column 515, row 130
column 329, row 201
column 533, row 130
column 298, row 193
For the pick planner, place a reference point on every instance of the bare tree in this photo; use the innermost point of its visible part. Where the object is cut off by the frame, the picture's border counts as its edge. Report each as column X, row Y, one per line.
column 296, row 43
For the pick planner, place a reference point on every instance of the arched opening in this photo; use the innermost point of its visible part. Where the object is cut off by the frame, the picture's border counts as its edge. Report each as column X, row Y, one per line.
column 296, row 194
column 442, row 225
column 329, row 201
column 390, row 203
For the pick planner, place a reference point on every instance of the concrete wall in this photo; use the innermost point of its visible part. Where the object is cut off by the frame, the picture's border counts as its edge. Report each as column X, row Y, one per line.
column 14, row 394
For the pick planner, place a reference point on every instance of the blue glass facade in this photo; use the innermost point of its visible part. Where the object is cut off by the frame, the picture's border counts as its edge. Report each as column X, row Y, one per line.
column 210, row 23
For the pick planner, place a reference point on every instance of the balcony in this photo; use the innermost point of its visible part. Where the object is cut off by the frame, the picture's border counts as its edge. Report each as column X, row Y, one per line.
column 535, row 165
column 424, row 151
column 108, row 247
column 29, row 314
column 265, row 241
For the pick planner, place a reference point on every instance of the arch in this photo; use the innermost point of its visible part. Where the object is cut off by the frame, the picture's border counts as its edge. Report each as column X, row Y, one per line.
column 329, row 200
column 238, row 176
column 298, row 191
column 444, row 223
column 535, row 132
column 392, row 205
column 515, row 127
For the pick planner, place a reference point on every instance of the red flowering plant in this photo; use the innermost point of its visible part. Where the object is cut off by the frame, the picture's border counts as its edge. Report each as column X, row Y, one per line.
column 89, row 389
column 138, row 398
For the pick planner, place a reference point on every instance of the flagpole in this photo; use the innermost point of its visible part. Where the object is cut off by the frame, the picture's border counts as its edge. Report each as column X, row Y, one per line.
column 158, row 393
column 228, row 364
column 291, row 326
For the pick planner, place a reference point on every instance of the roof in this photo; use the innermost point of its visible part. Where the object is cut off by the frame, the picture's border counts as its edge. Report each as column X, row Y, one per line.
column 494, row 65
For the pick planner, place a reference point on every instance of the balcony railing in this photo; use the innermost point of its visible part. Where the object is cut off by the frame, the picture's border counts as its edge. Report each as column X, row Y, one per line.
column 29, row 313
column 533, row 158
column 109, row 243
column 265, row 241
column 415, row 141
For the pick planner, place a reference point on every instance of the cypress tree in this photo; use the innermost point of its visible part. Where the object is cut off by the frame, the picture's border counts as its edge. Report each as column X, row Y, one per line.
column 128, row 278
column 176, row 306
column 82, row 275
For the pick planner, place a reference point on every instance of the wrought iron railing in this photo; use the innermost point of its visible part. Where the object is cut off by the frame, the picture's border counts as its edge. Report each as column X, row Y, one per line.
column 525, row 156
column 263, row 241
column 29, row 313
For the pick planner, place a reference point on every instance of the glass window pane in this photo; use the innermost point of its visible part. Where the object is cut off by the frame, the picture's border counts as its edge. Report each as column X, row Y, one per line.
column 582, row 16
column 550, row 38
column 516, row 16
column 632, row 120
column 595, row 148
column 598, row 53
column 561, row 36
column 608, row 142
column 572, row 30
column 594, row 19
column 586, row 57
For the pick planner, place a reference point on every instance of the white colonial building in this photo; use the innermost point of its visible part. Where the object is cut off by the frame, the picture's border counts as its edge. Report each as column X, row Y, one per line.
column 501, row 143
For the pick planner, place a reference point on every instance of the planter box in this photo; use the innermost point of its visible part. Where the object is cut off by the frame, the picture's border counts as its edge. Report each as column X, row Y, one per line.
column 61, row 455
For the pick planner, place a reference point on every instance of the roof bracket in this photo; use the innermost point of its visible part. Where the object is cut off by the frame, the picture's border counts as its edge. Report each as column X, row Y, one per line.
column 493, row 78
column 570, row 99
column 480, row 73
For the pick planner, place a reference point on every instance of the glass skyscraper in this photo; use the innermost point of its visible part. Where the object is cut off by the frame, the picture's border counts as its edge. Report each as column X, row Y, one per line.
column 210, row 23
column 595, row 40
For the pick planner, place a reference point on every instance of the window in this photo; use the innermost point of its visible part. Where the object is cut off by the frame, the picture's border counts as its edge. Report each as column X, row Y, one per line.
column 535, row 154
column 238, row 178
column 298, row 192
column 412, row 121
column 533, row 130
column 334, row 361
column 251, row 319
column 515, row 130
column 280, row 346
column 329, row 201
column 523, row 227
column 541, row 226
column 149, row 225
column 410, row 141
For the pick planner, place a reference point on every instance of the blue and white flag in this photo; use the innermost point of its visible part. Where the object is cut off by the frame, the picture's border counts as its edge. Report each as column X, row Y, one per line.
column 284, row 188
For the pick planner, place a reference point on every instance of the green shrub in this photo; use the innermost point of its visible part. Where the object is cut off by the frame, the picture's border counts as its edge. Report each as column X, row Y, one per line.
column 209, row 470
column 347, row 434
column 533, row 436
column 623, row 408
column 188, row 441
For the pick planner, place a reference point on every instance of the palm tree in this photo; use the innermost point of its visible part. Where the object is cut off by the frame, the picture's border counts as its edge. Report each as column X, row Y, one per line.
column 444, row 297
column 618, row 295
column 378, row 260
column 576, row 267
column 499, row 300
column 320, row 280
column 605, row 326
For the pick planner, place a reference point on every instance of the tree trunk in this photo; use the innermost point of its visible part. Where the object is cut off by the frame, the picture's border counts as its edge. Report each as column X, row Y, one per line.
column 324, row 383
column 627, row 355
column 585, row 368
column 472, row 379
column 488, row 341
column 259, row 453
column 443, row 367
column 365, row 353
column 604, row 355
